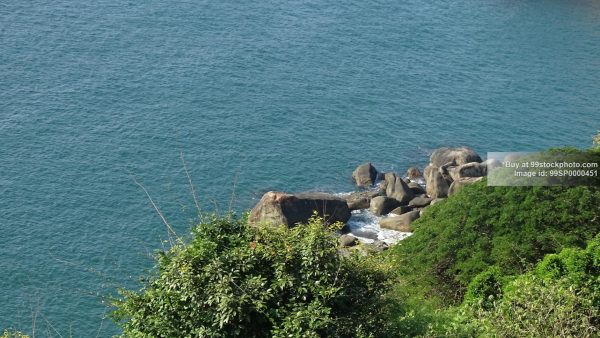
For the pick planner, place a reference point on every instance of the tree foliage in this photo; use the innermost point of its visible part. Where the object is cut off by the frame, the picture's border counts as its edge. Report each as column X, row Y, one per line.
column 235, row 280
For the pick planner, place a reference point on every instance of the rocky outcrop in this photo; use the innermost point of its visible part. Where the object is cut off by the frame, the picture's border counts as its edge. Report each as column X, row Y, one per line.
column 381, row 205
column 457, row 185
column 400, row 223
column 278, row 208
column 456, row 156
column 398, row 189
column 435, row 183
column 365, row 175
column 362, row 199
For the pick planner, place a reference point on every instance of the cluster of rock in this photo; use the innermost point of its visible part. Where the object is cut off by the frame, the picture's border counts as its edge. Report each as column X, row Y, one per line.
column 401, row 200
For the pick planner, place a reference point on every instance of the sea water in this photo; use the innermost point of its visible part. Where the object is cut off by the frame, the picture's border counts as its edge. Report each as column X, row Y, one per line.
column 257, row 96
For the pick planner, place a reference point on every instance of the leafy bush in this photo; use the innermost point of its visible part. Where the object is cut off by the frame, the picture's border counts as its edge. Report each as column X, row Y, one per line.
column 560, row 298
column 235, row 280
column 510, row 228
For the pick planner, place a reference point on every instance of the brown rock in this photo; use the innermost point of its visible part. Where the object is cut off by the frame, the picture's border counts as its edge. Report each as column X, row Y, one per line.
column 397, row 188
column 278, row 208
column 381, row 205
column 362, row 199
column 420, row 202
column 458, row 156
column 365, row 175
column 399, row 223
column 436, row 185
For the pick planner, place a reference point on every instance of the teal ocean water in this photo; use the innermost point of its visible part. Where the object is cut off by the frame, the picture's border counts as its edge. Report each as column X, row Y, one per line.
column 258, row 96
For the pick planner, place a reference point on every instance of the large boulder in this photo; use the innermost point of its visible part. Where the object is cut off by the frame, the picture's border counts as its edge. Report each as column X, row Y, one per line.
column 436, row 184
column 362, row 199
column 278, row 208
column 398, row 189
column 458, row 156
column 457, row 185
column 400, row 223
column 365, row 175
column 381, row 205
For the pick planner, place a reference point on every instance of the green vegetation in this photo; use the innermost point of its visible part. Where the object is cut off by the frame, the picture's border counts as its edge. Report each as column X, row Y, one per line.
column 559, row 298
column 508, row 228
column 487, row 262
column 234, row 280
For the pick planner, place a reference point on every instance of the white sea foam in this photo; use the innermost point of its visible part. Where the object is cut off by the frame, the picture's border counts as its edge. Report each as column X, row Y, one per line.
column 364, row 225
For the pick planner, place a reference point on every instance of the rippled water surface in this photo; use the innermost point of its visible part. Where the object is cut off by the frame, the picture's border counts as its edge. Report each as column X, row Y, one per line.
column 258, row 96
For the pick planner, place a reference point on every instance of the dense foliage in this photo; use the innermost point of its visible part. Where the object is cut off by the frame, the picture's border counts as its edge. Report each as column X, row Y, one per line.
column 232, row 280
column 510, row 228
column 559, row 298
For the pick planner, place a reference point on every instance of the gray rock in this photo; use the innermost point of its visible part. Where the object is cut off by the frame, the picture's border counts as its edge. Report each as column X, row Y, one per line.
column 416, row 188
column 436, row 185
column 400, row 223
column 420, row 201
column 397, row 188
column 457, row 185
column 472, row 169
column 413, row 173
column 347, row 241
column 365, row 175
column 458, row 156
column 278, row 208
column 381, row 205
column 362, row 199
column 401, row 210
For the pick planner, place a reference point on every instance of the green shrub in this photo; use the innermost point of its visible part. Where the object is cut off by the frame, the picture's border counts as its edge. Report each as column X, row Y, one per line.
column 235, row 280
column 486, row 287
column 510, row 228
column 559, row 298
